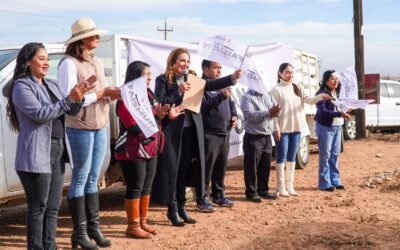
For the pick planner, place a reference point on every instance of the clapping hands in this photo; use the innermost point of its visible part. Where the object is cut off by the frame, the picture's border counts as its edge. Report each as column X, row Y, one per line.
column 80, row 89
column 274, row 111
column 162, row 111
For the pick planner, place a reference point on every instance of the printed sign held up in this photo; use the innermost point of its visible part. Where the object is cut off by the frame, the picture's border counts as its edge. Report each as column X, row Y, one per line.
column 231, row 53
column 348, row 80
column 252, row 77
column 134, row 95
column 223, row 49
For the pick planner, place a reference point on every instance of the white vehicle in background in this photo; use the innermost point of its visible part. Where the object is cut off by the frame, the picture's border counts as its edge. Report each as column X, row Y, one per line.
column 114, row 51
column 384, row 113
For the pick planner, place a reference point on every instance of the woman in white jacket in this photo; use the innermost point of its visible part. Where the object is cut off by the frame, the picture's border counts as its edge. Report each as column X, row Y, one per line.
column 288, row 125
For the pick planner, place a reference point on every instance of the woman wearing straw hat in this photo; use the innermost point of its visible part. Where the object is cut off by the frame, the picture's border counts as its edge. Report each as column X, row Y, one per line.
column 86, row 132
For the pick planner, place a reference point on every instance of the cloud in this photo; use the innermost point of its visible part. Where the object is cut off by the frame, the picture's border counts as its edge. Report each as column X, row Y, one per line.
column 333, row 43
column 45, row 6
column 329, row 1
column 254, row 1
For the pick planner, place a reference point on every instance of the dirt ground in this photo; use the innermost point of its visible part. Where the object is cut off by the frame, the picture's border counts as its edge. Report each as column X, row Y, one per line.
column 357, row 218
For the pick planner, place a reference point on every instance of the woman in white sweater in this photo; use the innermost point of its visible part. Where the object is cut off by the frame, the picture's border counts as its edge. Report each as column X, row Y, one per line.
column 288, row 125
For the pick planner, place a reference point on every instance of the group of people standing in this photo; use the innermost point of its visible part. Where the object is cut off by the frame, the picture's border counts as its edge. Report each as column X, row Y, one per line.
column 65, row 121
column 280, row 114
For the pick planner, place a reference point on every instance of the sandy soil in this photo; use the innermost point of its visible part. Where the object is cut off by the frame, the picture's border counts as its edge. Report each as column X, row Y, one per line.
column 356, row 218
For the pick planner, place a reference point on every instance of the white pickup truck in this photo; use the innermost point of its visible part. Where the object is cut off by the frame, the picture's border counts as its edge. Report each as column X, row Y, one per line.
column 384, row 113
column 115, row 51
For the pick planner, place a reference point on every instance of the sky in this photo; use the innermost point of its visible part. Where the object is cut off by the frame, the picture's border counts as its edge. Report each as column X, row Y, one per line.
column 320, row 27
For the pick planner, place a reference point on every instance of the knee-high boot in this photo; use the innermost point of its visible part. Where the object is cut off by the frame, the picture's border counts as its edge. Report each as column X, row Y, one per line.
column 93, row 220
column 144, row 208
column 290, row 168
column 280, row 178
column 79, row 234
column 134, row 229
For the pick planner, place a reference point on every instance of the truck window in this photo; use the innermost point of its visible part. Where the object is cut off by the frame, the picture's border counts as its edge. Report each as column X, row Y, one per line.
column 54, row 60
column 396, row 90
column 6, row 56
column 390, row 90
column 383, row 89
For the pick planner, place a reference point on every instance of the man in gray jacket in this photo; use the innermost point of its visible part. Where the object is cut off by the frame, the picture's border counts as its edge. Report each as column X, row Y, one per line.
column 258, row 111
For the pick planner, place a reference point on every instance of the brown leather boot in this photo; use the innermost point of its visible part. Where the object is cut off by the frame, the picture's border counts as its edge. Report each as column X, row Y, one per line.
column 132, row 211
column 144, row 207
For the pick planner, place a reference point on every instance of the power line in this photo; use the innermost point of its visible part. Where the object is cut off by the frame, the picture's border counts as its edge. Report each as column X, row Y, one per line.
column 49, row 8
column 165, row 30
column 32, row 14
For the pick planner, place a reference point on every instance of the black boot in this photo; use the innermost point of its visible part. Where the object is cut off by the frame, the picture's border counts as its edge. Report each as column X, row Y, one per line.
column 79, row 234
column 93, row 220
column 184, row 214
column 173, row 216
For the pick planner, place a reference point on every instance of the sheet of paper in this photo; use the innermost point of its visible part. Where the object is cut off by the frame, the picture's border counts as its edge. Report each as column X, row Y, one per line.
column 346, row 104
column 192, row 99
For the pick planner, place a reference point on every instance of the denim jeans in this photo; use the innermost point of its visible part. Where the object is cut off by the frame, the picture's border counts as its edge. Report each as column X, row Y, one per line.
column 43, row 194
column 286, row 148
column 88, row 148
column 329, row 140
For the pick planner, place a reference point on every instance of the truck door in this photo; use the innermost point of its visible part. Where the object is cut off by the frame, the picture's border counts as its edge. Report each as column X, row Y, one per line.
column 386, row 109
column 394, row 89
column 9, row 140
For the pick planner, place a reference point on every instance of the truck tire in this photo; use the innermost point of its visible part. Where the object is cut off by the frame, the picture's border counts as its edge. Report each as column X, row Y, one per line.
column 349, row 129
column 303, row 153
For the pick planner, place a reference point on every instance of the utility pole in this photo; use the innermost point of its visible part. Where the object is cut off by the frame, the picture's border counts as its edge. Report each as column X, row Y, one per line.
column 359, row 67
column 165, row 30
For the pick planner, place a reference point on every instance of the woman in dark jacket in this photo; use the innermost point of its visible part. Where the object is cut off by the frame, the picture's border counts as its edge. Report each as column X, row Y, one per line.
column 137, row 155
column 329, row 121
column 36, row 110
column 184, row 137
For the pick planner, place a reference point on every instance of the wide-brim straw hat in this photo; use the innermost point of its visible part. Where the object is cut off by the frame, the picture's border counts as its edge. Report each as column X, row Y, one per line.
column 83, row 28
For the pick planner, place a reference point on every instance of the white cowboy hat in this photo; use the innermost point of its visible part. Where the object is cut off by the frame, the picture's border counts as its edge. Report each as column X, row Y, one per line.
column 83, row 28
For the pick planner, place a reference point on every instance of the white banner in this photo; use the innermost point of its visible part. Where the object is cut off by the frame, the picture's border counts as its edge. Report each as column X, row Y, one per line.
column 134, row 95
column 346, row 104
column 223, row 49
column 348, row 80
column 155, row 53
column 266, row 56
